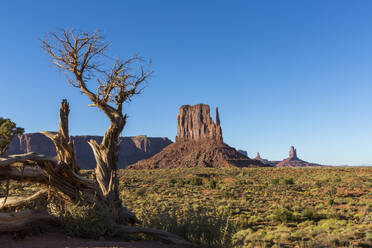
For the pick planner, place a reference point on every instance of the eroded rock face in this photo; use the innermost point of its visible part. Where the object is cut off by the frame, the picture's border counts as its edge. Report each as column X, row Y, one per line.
column 132, row 149
column 194, row 123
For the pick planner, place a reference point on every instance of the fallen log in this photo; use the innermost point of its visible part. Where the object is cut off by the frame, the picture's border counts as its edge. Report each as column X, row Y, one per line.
column 12, row 202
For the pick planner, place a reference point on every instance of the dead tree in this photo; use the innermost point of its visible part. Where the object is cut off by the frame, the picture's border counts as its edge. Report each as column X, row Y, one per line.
column 79, row 55
column 82, row 56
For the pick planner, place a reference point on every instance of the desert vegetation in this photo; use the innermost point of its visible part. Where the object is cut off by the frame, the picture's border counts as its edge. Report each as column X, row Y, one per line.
column 8, row 129
column 240, row 207
column 255, row 207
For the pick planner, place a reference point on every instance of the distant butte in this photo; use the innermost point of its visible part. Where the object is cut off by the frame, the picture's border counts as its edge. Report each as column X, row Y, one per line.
column 294, row 161
column 265, row 161
column 199, row 143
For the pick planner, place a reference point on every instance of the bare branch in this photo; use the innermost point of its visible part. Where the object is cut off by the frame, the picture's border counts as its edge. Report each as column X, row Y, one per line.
column 82, row 55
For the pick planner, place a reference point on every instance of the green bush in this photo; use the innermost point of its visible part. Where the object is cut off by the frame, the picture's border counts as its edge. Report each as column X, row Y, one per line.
column 275, row 181
column 141, row 191
column 212, row 184
column 172, row 181
column 282, row 215
column 312, row 214
column 288, row 181
column 196, row 181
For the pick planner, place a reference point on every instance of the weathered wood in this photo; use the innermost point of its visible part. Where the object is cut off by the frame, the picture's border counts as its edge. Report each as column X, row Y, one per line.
column 12, row 202
column 106, row 168
column 39, row 168
column 64, row 145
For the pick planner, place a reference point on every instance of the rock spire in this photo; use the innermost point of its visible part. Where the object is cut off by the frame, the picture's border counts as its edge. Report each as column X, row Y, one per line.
column 258, row 157
column 292, row 153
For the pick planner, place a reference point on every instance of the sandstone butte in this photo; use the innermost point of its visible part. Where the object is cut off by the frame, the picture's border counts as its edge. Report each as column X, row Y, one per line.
column 294, row 161
column 199, row 143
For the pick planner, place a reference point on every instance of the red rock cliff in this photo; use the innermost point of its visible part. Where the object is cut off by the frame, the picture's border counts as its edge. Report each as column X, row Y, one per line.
column 194, row 123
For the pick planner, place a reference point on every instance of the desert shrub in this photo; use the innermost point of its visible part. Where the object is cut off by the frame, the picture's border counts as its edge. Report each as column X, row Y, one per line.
column 141, row 191
column 86, row 221
column 212, row 184
column 369, row 235
column 172, row 181
column 318, row 184
column 288, row 181
column 262, row 238
column 282, row 215
column 275, row 181
column 181, row 181
column 228, row 195
column 196, row 181
column 197, row 225
column 312, row 214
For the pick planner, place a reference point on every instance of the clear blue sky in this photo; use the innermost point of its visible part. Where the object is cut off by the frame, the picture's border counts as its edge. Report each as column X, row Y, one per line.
column 281, row 72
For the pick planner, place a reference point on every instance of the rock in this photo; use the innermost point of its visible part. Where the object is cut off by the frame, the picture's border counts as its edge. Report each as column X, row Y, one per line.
column 195, row 123
column 132, row 149
column 245, row 153
column 198, row 143
column 294, row 161
column 292, row 153
column 265, row 161
column 258, row 157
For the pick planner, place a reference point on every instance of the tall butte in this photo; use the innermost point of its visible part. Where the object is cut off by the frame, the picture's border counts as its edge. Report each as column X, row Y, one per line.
column 199, row 143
